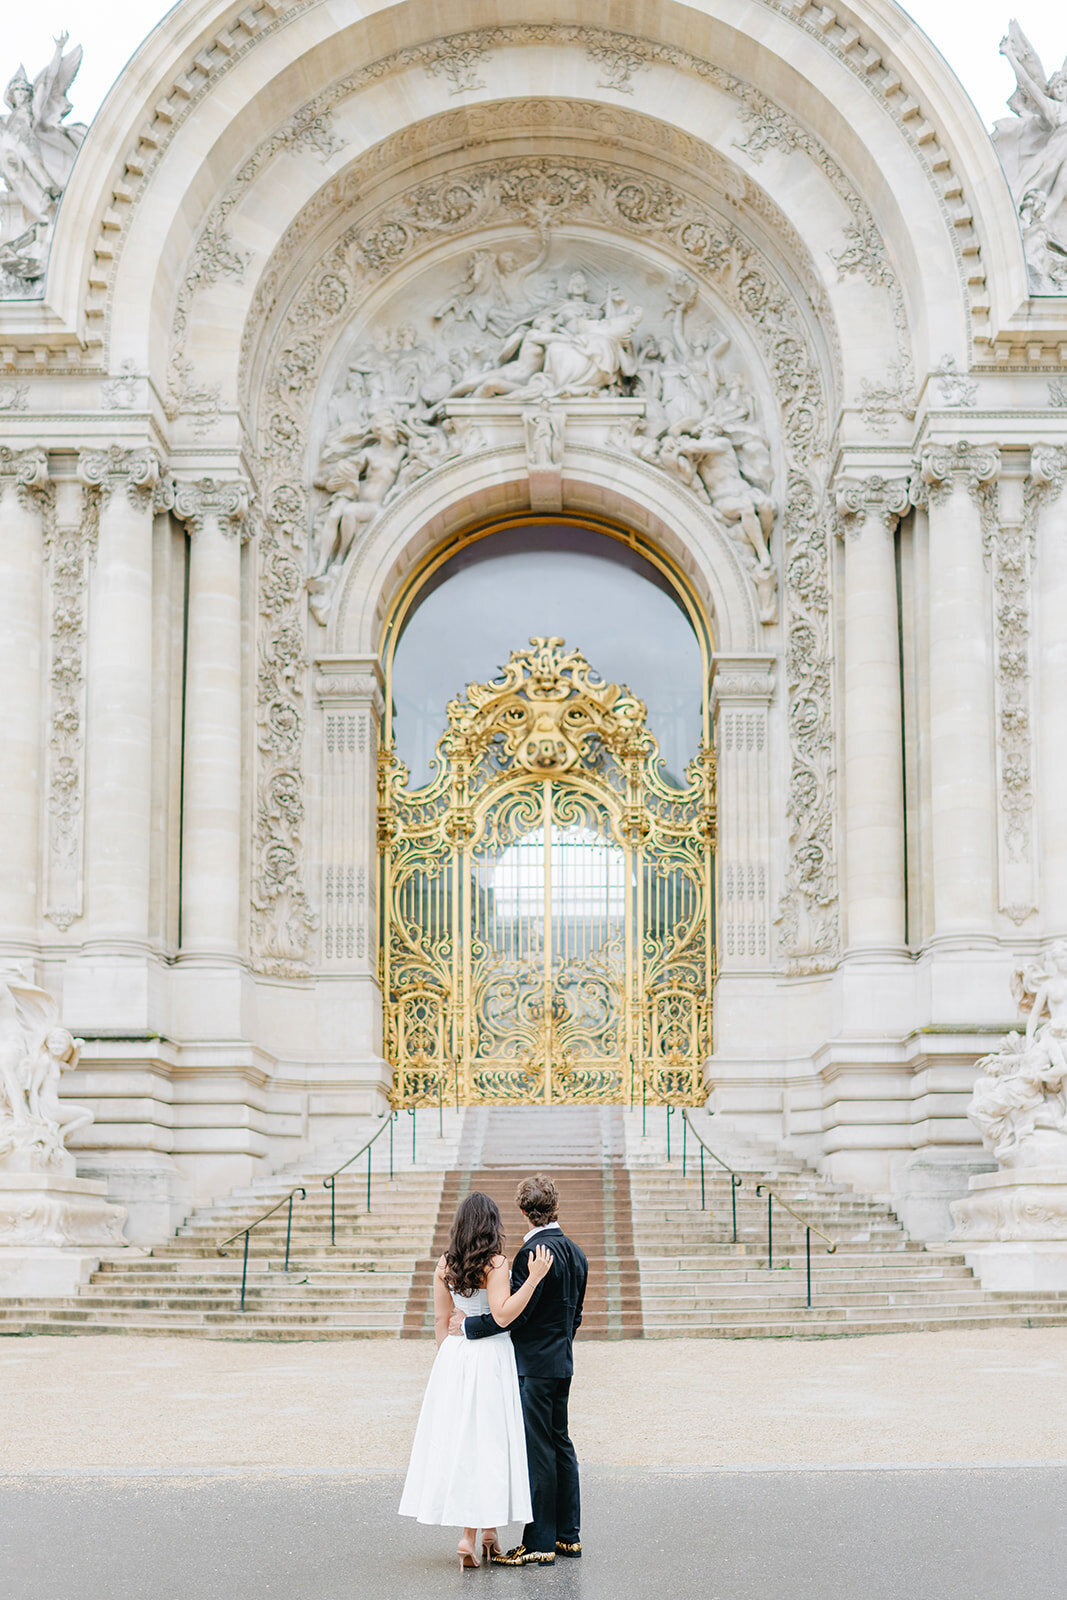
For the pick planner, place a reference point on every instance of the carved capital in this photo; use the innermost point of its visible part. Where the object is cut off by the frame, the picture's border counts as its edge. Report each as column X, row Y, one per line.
column 27, row 470
column 353, row 681
column 140, row 471
column 211, row 500
column 860, row 500
column 1048, row 467
column 940, row 466
column 741, row 679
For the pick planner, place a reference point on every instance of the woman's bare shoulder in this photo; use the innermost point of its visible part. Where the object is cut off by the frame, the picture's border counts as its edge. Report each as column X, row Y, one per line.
column 498, row 1262
column 439, row 1270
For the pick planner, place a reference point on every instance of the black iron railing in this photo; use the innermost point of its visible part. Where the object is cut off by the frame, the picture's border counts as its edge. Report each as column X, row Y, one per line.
column 736, row 1182
column 330, row 1182
column 286, row 1200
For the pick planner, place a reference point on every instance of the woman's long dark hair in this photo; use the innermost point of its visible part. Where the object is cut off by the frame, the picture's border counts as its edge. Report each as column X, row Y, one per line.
column 477, row 1236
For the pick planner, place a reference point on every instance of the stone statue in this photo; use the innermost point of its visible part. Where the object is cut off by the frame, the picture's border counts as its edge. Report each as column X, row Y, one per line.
column 35, row 1049
column 569, row 349
column 1033, row 148
column 701, row 425
column 359, row 469
column 1019, row 1104
column 37, row 150
column 493, row 292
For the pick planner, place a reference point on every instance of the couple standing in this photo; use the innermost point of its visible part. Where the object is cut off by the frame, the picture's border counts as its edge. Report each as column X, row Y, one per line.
column 492, row 1445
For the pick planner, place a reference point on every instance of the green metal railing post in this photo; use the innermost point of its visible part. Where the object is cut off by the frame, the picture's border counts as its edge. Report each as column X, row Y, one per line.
column 807, row 1251
column 244, row 1269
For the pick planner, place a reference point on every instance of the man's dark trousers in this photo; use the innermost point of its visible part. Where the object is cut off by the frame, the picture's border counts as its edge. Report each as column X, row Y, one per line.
column 557, row 1512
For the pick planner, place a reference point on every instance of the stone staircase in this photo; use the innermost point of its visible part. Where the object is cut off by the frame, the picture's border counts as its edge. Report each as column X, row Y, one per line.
column 358, row 1287
column 659, row 1266
column 696, row 1282
column 582, row 1151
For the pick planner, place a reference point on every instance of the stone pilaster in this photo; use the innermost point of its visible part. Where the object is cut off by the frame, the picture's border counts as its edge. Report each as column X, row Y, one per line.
column 957, row 486
column 349, row 691
column 214, row 514
column 23, row 489
column 868, row 511
column 71, row 513
column 741, row 691
column 1047, row 548
column 120, row 689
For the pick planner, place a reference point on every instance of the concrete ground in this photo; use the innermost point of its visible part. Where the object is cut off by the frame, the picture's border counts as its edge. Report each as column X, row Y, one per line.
column 991, row 1395
column 919, row 1467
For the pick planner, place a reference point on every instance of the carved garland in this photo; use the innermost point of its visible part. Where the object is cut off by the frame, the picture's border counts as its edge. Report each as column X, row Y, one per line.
column 711, row 249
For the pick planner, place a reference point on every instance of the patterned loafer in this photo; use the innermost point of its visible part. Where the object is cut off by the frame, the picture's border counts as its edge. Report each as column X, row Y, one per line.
column 521, row 1557
column 565, row 1549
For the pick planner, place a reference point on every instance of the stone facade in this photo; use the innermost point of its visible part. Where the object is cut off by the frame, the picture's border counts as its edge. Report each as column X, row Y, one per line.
column 776, row 318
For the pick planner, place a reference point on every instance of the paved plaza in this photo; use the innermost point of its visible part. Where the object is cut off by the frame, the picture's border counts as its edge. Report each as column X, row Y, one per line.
column 923, row 1465
column 928, row 1534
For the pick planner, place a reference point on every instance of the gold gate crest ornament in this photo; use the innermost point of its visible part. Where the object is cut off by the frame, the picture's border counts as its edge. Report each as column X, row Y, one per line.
column 547, row 900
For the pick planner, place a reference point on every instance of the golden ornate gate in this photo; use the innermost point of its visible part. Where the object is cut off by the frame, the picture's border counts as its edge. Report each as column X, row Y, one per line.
column 547, row 901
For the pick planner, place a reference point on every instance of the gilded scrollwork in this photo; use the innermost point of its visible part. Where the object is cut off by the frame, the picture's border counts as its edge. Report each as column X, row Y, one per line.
column 547, row 920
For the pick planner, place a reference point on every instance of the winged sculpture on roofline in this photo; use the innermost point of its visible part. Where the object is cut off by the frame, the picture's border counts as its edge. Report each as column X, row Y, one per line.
column 1032, row 146
column 37, row 151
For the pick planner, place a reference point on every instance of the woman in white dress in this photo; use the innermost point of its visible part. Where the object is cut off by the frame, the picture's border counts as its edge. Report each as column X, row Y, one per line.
column 468, row 1461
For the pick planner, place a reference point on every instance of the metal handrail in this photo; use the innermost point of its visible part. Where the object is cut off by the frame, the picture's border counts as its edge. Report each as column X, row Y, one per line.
column 330, row 1182
column 736, row 1182
column 809, row 1229
column 286, row 1199
column 735, row 1177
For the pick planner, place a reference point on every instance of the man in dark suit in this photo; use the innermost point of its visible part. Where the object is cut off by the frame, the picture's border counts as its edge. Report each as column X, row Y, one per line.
column 543, row 1336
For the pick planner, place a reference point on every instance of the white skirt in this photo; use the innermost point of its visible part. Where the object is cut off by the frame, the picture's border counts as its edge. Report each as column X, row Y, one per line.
column 468, row 1462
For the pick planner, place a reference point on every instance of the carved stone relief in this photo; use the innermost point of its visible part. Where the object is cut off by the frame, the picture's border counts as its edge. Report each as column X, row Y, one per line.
column 389, row 413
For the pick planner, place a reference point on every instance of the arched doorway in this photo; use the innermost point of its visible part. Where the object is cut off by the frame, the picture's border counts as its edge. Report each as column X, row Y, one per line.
column 547, row 893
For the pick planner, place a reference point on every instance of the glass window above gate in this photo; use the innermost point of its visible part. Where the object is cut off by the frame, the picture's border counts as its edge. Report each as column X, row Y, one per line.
column 544, row 579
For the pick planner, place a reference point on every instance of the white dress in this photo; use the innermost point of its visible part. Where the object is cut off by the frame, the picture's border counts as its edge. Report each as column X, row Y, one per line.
column 468, row 1462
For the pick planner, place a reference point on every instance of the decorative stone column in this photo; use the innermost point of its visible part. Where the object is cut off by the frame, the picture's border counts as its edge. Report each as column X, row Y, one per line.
column 956, row 485
column 120, row 684
column 214, row 514
column 350, row 693
column 1046, row 545
column 741, row 691
column 868, row 511
column 23, row 486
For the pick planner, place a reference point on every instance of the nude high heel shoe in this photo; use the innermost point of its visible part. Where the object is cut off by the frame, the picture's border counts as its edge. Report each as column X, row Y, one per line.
column 468, row 1561
column 490, row 1545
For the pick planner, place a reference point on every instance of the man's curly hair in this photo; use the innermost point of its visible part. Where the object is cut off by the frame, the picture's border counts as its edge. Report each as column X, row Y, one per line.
column 538, row 1199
